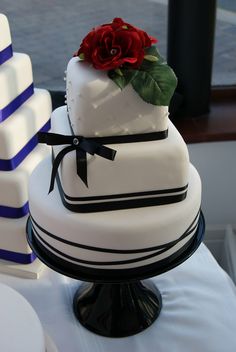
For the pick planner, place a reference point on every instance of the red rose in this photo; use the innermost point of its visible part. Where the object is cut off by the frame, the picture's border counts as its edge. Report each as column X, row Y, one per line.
column 112, row 45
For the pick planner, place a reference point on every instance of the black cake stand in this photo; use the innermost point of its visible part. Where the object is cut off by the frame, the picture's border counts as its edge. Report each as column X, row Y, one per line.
column 116, row 303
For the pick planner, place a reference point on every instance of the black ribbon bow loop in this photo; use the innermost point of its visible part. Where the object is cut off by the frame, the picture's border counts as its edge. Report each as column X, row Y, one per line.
column 81, row 145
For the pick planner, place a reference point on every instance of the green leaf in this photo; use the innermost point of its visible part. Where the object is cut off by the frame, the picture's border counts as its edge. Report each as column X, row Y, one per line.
column 151, row 58
column 154, row 52
column 124, row 79
column 118, row 71
column 155, row 82
column 81, row 56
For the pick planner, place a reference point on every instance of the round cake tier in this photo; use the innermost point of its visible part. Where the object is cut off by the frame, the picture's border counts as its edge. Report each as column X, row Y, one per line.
column 120, row 239
column 21, row 330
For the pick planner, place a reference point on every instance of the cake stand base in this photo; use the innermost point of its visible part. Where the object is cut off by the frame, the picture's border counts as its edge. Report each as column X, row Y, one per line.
column 117, row 303
column 117, row 310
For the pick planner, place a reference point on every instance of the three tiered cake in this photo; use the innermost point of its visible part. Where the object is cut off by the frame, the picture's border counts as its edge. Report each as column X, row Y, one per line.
column 23, row 112
column 126, row 194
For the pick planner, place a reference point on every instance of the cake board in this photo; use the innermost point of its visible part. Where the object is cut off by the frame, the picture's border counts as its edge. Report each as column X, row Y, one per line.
column 117, row 304
column 50, row 345
column 28, row 271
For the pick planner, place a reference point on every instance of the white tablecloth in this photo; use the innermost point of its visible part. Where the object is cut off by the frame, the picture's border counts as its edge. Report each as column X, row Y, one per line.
column 198, row 313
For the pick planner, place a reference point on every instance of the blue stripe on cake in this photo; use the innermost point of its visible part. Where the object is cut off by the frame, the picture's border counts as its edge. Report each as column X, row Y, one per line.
column 14, row 213
column 6, row 54
column 21, row 258
column 11, row 164
column 16, row 103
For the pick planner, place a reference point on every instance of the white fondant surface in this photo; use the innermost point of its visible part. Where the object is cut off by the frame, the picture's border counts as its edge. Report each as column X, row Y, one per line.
column 15, row 76
column 14, row 184
column 123, row 229
column 13, row 235
column 21, row 330
column 5, row 35
column 24, row 123
column 138, row 167
column 98, row 107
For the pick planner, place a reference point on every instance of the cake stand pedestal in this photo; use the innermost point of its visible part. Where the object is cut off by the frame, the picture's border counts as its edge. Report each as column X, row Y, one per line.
column 117, row 303
column 117, row 310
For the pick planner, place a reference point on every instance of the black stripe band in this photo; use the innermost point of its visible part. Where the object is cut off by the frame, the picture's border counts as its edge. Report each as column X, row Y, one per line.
column 131, row 138
column 64, row 262
column 127, row 195
column 166, row 246
column 105, row 263
column 120, row 204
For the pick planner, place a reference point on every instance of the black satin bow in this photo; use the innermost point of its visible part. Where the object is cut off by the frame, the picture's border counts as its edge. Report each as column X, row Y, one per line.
column 81, row 145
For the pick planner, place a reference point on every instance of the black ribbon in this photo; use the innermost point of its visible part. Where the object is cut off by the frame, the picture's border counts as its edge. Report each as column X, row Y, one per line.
column 81, row 145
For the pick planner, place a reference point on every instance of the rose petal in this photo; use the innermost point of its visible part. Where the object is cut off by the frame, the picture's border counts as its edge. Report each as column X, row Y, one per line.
column 118, row 20
column 108, row 44
column 153, row 40
column 131, row 60
column 129, row 42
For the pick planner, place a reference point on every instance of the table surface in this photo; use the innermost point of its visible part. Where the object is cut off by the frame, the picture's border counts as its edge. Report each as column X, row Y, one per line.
column 198, row 314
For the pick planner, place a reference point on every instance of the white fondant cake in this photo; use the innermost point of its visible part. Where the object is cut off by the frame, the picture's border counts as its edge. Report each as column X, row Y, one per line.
column 15, row 77
column 90, row 239
column 5, row 36
column 28, row 119
column 23, row 113
column 97, row 107
column 126, row 195
column 21, row 330
column 14, row 184
column 12, row 236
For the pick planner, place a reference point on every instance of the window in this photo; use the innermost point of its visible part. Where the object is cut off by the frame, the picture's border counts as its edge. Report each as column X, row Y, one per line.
column 224, row 63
